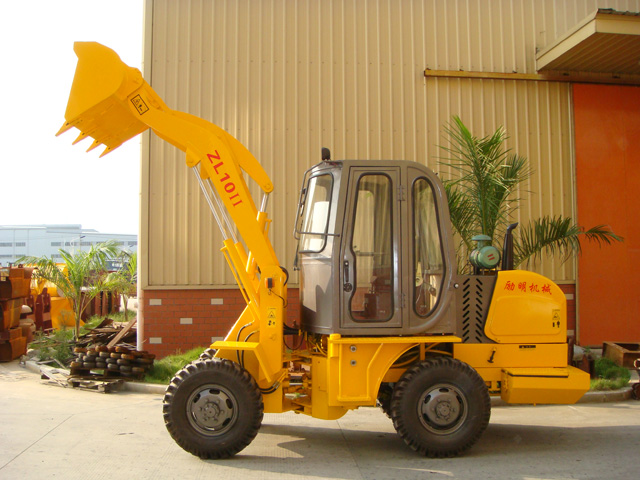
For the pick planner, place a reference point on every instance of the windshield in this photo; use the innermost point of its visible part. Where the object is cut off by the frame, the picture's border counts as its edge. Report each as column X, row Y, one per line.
column 316, row 214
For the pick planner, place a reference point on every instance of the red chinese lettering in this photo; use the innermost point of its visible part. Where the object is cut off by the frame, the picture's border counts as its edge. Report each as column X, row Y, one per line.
column 534, row 288
column 522, row 286
column 546, row 288
column 510, row 286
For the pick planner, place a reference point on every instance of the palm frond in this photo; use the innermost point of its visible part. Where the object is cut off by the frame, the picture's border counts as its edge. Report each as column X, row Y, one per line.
column 461, row 212
column 602, row 235
column 557, row 236
column 483, row 197
column 486, row 176
column 81, row 277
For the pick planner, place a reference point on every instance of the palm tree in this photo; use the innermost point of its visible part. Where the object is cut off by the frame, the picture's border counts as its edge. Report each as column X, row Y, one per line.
column 483, row 198
column 81, row 278
column 123, row 282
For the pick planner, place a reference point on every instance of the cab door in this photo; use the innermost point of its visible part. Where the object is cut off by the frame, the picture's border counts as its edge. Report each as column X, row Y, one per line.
column 370, row 252
column 424, row 252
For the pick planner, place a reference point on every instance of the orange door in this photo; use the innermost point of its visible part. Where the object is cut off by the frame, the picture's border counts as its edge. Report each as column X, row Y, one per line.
column 607, row 135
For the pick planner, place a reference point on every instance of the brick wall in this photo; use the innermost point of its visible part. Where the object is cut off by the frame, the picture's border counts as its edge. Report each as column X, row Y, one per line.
column 183, row 319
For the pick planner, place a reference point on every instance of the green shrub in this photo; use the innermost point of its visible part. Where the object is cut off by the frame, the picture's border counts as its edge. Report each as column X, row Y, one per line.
column 610, row 375
column 607, row 368
column 58, row 345
column 165, row 369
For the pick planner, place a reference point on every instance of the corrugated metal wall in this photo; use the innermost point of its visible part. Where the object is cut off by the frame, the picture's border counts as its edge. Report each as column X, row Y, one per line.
column 289, row 77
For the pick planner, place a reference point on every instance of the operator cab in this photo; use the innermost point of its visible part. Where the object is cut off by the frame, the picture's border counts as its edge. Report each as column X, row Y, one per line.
column 374, row 253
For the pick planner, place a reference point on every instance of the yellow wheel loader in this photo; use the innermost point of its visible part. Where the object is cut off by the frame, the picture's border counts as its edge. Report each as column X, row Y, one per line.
column 384, row 317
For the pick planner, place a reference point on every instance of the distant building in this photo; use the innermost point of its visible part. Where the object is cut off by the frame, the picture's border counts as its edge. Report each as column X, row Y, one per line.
column 38, row 240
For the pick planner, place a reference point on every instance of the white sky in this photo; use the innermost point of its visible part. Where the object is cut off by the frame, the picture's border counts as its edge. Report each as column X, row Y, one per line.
column 43, row 178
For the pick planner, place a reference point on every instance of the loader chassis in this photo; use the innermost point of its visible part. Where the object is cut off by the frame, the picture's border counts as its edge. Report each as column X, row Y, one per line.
column 384, row 317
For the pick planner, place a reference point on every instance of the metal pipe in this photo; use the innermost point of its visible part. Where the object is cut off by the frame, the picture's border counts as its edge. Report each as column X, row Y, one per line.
column 263, row 204
column 223, row 211
column 208, row 198
column 140, row 309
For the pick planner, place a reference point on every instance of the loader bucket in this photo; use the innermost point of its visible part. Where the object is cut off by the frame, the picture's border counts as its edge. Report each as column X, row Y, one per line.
column 98, row 104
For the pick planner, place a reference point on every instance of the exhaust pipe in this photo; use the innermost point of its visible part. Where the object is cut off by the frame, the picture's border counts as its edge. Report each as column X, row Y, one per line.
column 507, row 249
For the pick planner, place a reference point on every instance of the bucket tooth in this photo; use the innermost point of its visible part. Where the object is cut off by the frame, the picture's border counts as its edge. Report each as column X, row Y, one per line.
column 95, row 144
column 81, row 137
column 65, row 128
column 107, row 150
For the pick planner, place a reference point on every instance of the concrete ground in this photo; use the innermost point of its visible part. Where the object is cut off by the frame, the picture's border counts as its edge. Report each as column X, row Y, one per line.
column 48, row 432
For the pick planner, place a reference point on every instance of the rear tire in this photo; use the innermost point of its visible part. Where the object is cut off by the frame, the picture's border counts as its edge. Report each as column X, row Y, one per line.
column 213, row 408
column 384, row 398
column 636, row 391
column 440, row 407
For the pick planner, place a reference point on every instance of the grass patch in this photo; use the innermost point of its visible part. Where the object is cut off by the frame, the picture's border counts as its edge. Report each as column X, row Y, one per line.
column 604, row 384
column 164, row 370
column 116, row 317
column 91, row 323
column 610, row 375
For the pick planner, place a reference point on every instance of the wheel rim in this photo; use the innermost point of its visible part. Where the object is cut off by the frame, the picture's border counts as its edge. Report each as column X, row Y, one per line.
column 442, row 409
column 212, row 410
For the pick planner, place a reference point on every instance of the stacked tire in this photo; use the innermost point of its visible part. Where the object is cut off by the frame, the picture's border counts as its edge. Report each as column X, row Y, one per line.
column 113, row 361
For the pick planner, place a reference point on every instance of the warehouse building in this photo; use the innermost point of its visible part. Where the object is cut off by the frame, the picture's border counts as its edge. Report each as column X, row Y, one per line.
column 47, row 240
column 380, row 79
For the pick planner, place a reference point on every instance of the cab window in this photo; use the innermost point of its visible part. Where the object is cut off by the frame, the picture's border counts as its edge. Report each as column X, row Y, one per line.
column 313, row 234
column 372, row 246
column 428, row 267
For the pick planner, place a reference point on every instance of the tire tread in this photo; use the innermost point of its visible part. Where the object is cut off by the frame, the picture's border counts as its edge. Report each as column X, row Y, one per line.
column 398, row 415
column 202, row 447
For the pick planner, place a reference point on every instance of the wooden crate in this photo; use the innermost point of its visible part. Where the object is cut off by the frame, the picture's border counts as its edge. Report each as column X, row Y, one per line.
column 11, row 334
column 11, row 310
column 6, row 289
column 622, row 353
column 15, row 283
column 12, row 349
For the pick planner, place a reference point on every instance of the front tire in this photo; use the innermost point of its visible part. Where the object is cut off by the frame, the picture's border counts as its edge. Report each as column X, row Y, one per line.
column 440, row 407
column 213, row 408
column 208, row 354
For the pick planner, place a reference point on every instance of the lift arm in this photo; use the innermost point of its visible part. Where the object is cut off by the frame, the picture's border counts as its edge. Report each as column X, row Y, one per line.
column 111, row 103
